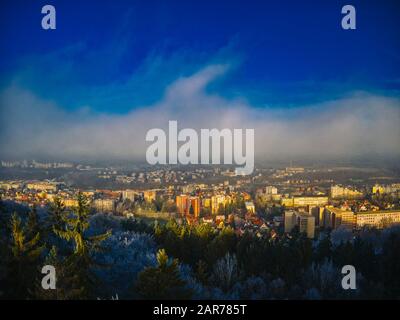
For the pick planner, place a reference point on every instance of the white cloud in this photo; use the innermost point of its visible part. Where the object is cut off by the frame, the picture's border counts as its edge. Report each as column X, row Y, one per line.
column 363, row 124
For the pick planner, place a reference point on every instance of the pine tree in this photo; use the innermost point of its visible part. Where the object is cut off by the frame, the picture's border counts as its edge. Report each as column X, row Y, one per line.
column 53, row 294
column 162, row 281
column 23, row 260
column 75, row 226
column 79, row 264
column 223, row 243
column 33, row 226
column 57, row 214
column 68, row 282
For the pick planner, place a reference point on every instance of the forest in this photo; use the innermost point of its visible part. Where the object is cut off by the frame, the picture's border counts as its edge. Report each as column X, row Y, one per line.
column 100, row 256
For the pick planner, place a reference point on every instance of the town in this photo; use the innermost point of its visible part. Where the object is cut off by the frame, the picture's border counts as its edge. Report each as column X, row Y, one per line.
column 271, row 201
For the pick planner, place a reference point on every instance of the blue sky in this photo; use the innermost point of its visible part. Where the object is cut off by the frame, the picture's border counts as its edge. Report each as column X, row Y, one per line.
column 112, row 70
column 114, row 56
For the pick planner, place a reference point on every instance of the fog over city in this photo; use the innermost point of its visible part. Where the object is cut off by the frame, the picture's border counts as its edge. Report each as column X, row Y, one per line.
column 358, row 124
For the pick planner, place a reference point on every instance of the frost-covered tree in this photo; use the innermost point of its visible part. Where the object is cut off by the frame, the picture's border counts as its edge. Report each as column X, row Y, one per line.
column 192, row 284
column 340, row 236
column 124, row 256
column 253, row 288
column 100, row 223
column 325, row 277
column 56, row 215
column 225, row 272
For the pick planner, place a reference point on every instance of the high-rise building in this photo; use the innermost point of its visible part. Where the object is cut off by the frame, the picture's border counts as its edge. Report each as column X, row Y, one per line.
column 149, row 195
column 188, row 205
column 310, row 201
column 393, row 188
column 270, row 190
column 378, row 219
column 129, row 194
column 287, row 202
column 307, row 225
column 378, row 189
column 104, row 205
column 69, row 203
column 339, row 192
column 294, row 169
column 194, row 203
column 318, row 214
column 349, row 220
column 304, row 201
column 182, row 203
column 216, row 202
column 289, row 220
column 305, row 221
column 250, row 207
column 336, row 217
column 42, row 186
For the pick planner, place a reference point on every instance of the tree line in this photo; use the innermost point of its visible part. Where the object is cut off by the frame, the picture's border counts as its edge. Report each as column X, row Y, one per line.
column 105, row 256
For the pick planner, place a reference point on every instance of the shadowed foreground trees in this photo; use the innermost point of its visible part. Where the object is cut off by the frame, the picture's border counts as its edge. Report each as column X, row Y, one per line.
column 26, row 253
column 162, row 281
column 193, row 261
column 21, row 260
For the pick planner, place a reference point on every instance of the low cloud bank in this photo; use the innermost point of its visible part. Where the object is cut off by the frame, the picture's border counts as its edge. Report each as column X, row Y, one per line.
column 362, row 124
